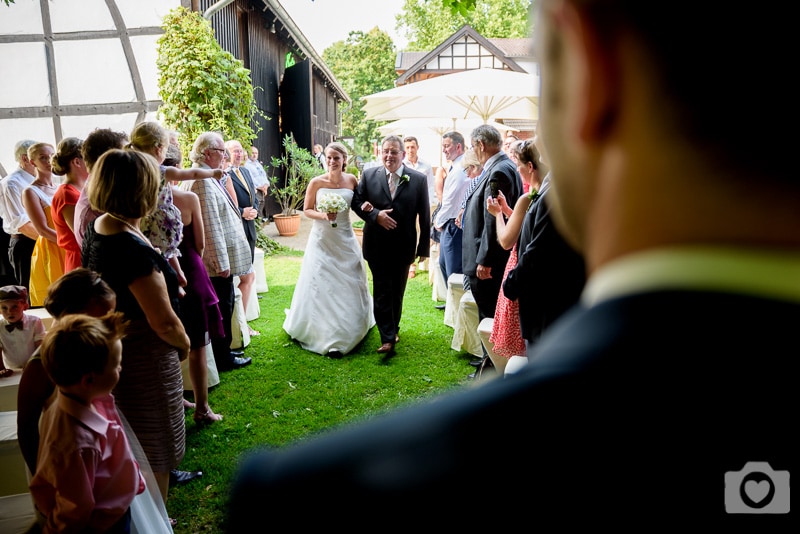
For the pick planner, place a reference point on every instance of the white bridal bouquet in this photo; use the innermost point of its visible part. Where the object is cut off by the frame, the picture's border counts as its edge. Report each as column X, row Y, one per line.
column 331, row 203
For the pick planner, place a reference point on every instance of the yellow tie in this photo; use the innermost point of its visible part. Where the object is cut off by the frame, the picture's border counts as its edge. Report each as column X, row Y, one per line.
column 241, row 179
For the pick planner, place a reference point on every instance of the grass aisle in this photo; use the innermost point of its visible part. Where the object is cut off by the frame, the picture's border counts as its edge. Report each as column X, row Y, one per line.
column 289, row 393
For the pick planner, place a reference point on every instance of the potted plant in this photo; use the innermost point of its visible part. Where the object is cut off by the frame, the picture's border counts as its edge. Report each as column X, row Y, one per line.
column 298, row 166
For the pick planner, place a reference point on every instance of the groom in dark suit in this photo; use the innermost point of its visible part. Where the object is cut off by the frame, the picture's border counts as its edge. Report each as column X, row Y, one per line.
column 392, row 200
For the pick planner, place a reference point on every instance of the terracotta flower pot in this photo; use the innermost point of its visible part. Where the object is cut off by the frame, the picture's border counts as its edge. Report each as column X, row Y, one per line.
column 288, row 225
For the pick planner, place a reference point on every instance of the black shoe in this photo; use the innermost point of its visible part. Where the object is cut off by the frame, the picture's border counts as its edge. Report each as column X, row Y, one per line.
column 182, row 477
column 476, row 363
column 472, row 376
column 335, row 354
column 440, row 306
column 238, row 353
column 236, row 363
column 241, row 362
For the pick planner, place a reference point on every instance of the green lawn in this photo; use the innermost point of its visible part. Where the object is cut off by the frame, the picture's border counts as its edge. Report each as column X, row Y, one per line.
column 289, row 394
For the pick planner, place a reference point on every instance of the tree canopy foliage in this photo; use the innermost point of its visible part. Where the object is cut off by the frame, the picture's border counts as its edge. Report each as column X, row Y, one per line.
column 363, row 64
column 203, row 87
column 426, row 24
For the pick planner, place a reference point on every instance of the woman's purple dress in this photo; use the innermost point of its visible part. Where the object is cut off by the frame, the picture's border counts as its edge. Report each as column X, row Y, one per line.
column 199, row 311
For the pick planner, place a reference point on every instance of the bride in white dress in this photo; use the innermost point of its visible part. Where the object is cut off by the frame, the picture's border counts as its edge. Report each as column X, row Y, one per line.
column 331, row 310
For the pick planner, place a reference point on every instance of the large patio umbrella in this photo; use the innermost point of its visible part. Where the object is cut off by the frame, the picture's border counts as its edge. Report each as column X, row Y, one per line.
column 484, row 94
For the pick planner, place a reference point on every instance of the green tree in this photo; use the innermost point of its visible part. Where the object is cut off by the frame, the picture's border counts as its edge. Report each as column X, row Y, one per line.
column 426, row 23
column 459, row 6
column 363, row 64
column 203, row 87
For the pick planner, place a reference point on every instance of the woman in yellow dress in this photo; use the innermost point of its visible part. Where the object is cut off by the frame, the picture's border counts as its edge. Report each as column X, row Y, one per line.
column 47, row 260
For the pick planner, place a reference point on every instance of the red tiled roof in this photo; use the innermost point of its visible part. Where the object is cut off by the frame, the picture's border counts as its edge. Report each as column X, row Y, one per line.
column 518, row 47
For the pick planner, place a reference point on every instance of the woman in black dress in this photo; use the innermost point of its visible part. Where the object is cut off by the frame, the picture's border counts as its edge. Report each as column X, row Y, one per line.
column 125, row 186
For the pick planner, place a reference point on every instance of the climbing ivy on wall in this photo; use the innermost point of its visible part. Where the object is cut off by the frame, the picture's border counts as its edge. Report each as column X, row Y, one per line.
column 203, row 87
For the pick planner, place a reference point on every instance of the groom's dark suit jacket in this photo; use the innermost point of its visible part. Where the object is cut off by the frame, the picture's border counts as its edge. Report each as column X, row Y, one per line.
column 409, row 206
column 629, row 413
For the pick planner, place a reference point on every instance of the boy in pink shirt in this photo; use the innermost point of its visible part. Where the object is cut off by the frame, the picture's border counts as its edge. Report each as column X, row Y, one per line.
column 86, row 475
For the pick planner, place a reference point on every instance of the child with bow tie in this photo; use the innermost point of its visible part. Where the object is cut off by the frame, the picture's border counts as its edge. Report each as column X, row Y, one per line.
column 20, row 334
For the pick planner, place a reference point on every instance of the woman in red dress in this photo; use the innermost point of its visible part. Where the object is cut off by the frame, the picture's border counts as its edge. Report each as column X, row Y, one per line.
column 506, row 335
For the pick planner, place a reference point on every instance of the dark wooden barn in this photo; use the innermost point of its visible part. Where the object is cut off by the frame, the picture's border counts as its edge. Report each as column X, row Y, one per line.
column 298, row 92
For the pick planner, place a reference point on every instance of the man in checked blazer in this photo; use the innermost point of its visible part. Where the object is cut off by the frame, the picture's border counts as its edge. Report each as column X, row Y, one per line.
column 226, row 251
column 392, row 199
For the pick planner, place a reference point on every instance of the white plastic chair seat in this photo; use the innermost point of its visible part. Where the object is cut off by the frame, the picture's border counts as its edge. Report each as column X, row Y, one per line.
column 455, row 290
column 485, row 332
column 253, row 309
column 213, row 373
column 465, row 331
column 261, row 275
column 515, row 364
column 437, row 281
column 239, row 328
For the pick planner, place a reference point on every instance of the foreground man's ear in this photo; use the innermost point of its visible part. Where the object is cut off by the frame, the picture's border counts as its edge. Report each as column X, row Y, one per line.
column 591, row 68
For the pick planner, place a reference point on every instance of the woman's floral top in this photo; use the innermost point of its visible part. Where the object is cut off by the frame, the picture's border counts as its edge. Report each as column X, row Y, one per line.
column 164, row 227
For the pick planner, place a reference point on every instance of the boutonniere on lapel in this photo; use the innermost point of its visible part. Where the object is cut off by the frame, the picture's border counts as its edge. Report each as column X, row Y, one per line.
column 404, row 179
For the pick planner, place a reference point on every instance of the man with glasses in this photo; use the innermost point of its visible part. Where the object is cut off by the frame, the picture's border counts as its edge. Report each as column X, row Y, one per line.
column 483, row 258
column 508, row 142
column 227, row 253
column 393, row 201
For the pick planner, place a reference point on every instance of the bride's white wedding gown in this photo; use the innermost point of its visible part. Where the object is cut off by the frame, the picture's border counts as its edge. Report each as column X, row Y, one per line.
column 331, row 307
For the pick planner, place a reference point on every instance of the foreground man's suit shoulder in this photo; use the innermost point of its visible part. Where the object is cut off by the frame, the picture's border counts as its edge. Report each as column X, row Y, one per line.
column 570, row 430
